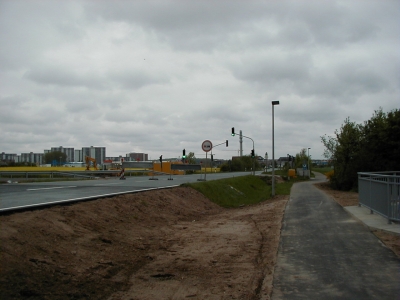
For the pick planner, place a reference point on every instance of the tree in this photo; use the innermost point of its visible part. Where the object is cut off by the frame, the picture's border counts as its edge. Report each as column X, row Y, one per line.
column 301, row 158
column 239, row 164
column 369, row 147
column 330, row 144
column 55, row 158
column 381, row 142
column 191, row 159
column 347, row 160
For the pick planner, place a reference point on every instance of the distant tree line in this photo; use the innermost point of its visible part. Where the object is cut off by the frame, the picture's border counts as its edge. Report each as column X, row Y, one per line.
column 243, row 163
column 55, row 158
column 370, row 147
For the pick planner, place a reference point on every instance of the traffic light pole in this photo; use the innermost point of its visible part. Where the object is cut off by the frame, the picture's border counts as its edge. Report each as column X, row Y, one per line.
column 241, row 135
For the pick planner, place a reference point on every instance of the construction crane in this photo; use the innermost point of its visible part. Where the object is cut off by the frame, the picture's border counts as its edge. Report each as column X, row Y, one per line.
column 89, row 159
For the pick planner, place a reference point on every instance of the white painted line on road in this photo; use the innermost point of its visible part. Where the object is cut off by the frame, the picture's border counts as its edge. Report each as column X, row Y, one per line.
column 108, row 183
column 52, row 188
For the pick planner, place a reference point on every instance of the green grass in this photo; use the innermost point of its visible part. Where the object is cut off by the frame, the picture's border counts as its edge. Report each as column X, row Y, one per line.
column 238, row 191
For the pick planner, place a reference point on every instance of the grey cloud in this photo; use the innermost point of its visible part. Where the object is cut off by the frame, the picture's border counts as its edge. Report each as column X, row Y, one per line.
column 93, row 79
column 135, row 79
column 160, row 76
column 63, row 76
column 273, row 67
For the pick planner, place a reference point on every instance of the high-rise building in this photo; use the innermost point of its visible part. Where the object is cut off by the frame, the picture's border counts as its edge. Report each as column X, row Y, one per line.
column 78, row 156
column 137, row 156
column 8, row 157
column 98, row 153
column 34, row 158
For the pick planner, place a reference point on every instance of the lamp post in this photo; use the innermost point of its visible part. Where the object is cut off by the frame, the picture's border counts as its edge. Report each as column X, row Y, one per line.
column 273, row 149
column 266, row 162
column 308, row 156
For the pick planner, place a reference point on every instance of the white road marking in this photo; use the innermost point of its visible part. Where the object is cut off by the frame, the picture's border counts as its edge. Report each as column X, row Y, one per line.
column 108, row 183
column 52, row 188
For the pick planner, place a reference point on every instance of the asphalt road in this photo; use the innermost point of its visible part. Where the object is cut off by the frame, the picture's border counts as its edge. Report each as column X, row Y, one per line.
column 24, row 195
column 325, row 253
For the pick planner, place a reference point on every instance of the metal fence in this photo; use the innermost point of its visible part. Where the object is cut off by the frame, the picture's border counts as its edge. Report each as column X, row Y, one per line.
column 380, row 192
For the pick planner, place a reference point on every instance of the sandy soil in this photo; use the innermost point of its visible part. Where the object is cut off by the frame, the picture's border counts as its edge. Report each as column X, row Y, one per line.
column 167, row 244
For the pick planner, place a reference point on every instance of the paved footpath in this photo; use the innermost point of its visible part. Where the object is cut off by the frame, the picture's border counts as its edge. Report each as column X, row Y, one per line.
column 325, row 253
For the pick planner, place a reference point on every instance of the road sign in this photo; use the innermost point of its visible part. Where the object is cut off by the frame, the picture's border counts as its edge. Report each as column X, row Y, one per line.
column 206, row 146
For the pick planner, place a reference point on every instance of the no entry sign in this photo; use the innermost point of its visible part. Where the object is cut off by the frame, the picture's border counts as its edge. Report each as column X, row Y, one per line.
column 206, row 146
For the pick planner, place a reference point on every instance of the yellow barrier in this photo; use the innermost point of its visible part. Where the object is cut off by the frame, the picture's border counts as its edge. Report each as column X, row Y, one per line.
column 166, row 168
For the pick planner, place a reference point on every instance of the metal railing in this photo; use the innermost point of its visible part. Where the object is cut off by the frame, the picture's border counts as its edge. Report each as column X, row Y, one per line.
column 380, row 192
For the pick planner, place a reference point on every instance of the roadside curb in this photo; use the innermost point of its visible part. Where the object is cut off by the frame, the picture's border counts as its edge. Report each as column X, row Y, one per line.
column 374, row 220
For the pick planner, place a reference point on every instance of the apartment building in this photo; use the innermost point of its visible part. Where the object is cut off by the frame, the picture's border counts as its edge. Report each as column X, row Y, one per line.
column 137, row 156
column 98, row 153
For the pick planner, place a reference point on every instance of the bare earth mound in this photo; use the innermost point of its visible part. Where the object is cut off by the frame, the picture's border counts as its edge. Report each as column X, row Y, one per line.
column 166, row 244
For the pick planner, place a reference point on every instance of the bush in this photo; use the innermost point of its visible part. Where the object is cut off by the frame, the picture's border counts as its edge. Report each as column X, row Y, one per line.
column 329, row 175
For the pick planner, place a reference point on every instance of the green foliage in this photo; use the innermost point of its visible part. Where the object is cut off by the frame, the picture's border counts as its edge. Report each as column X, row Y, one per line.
column 236, row 191
column 347, row 162
column 369, row 147
column 381, row 142
column 240, row 164
column 55, row 156
column 243, row 190
column 191, row 159
column 301, row 158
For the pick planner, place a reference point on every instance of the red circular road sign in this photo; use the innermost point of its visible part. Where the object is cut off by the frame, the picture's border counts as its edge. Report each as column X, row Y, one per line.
column 206, row 146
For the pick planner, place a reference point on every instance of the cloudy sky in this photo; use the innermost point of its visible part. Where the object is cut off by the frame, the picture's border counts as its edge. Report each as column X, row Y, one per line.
column 161, row 76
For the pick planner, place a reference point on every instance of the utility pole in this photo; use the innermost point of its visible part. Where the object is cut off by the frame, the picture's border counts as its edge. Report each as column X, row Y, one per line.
column 241, row 143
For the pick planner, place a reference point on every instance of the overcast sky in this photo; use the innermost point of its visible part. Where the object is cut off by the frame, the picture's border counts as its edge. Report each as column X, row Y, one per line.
column 160, row 76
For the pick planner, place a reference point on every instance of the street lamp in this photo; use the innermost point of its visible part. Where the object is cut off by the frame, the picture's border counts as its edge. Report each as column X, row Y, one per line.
column 266, row 162
column 273, row 149
column 309, row 171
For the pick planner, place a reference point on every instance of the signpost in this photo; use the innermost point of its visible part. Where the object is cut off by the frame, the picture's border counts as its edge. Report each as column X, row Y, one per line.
column 206, row 146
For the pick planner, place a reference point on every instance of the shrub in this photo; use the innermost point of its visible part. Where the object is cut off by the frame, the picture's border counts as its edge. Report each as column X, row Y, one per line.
column 329, row 175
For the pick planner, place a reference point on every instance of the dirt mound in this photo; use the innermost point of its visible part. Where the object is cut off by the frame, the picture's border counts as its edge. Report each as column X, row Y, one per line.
column 162, row 244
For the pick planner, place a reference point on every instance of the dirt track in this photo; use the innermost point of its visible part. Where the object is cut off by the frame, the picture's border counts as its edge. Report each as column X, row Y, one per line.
column 169, row 244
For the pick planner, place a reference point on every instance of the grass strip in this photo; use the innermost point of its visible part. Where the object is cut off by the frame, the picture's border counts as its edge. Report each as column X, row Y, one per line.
column 240, row 191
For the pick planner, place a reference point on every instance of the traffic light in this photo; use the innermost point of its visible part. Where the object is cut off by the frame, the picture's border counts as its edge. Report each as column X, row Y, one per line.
column 212, row 157
column 233, row 131
column 161, row 161
column 226, row 143
column 183, row 153
column 252, row 153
